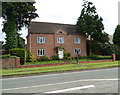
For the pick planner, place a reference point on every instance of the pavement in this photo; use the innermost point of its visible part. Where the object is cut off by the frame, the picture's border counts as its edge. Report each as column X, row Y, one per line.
column 94, row 81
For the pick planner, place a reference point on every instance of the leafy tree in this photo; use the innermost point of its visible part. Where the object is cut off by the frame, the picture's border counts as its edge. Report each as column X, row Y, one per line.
column 21, row 42
column 100, row 38
column 16, row 15
column 90, row 24
column 116, row 36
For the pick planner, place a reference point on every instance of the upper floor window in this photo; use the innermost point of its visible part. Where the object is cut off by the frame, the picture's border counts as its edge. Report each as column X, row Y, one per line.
column 41, row 40
column 77, row 51
column 77, row 40
column 40, row 52
column 60, row 40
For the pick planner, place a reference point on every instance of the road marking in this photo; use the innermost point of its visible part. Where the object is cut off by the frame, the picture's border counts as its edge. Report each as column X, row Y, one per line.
column 61, row 83
column 71, row 89
column 56, row 74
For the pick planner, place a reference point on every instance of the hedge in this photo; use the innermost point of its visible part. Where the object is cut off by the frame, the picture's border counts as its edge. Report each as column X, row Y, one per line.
column 7, row 56
column 18, row 52
column 97, row 57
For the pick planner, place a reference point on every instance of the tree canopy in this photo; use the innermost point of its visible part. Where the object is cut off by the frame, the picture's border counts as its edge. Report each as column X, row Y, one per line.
column 16, row 15
column 90, row 23
column 116, row 36
column 22, row 12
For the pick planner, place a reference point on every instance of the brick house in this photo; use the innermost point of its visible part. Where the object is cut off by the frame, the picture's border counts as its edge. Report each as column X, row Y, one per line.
column 49, row 39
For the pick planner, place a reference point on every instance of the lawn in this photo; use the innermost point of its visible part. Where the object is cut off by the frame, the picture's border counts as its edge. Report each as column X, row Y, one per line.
column 69, row 67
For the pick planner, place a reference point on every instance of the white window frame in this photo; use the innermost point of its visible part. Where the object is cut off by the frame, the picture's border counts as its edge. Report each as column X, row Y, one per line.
column 41, row 40
column 77, row 40
column 76, row 51
column 42, row 52
column 60, row 40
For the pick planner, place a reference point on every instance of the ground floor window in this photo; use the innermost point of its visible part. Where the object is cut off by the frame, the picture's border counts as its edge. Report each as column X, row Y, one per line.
column 77, row 51
column 40, row 52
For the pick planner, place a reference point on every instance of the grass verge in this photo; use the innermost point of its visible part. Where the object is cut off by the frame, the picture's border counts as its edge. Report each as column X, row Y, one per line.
column 69, row 67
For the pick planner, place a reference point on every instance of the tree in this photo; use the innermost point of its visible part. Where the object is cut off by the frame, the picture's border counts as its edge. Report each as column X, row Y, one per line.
column 89, row 23
column 16, row 15
column 100, row 38
column 21, row 41
column 116, row 36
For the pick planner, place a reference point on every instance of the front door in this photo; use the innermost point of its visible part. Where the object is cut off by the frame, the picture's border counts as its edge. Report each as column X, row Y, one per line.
column 60, row 54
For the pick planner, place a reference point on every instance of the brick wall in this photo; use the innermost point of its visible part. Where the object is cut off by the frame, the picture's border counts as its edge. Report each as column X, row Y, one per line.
column 10, row 63
column 51, row 43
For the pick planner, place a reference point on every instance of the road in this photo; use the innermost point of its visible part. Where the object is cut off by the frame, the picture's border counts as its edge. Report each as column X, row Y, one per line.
column 93, row 81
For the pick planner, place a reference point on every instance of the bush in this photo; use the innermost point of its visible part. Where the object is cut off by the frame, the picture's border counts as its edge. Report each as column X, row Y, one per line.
column 118, row 56
column 18, row 52
column 117, row 52
column 29, row 56
column 55, row 57
column 109, row 49
column 5, row 56
column 42, row 58
column 67, row 55
column 92, row 56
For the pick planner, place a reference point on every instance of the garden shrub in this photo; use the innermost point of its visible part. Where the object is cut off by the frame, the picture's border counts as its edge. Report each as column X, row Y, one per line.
column 18, row 52
column 67, row 55
column 55, row 57
column 92, row 56
column 29, row 56
column 43, row 58
column 5, row 56
column 117, row 52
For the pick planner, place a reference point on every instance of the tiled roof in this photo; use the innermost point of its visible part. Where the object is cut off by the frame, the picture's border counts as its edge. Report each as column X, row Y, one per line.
column 51, row 28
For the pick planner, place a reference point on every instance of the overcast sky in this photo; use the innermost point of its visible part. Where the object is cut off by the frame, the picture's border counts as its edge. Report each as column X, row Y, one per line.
column 68, row 11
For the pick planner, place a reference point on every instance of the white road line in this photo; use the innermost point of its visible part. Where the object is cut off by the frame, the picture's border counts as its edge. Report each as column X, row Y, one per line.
column 61, row 83
column 71, row 89
column 56, row 74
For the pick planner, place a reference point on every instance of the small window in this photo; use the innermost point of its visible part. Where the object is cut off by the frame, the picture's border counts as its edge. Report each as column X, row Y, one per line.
column 40, row 52
column 41, row 40
column 77, row 40
column 77, row 51
column 60, row 40
column 60, row 32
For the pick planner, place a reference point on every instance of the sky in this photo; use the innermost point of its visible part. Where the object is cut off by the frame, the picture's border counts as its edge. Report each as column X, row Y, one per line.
column 68, row 11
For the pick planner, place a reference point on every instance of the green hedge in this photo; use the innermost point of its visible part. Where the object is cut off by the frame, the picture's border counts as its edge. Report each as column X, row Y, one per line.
column 18, row 52
column 7, row 56
column 97, row 57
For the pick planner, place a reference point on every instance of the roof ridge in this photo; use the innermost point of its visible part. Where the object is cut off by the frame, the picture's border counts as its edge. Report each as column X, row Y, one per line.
column 54, row 23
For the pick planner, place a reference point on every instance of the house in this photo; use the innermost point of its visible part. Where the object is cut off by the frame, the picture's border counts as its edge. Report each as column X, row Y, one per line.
column 110, row 39
column 50, row 39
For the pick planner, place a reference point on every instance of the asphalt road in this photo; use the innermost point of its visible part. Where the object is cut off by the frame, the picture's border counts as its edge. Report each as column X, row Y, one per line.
column 93, row 81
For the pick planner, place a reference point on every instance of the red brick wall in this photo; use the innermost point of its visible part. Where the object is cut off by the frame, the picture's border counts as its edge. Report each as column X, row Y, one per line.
column 10, row 63
column 51, row 43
